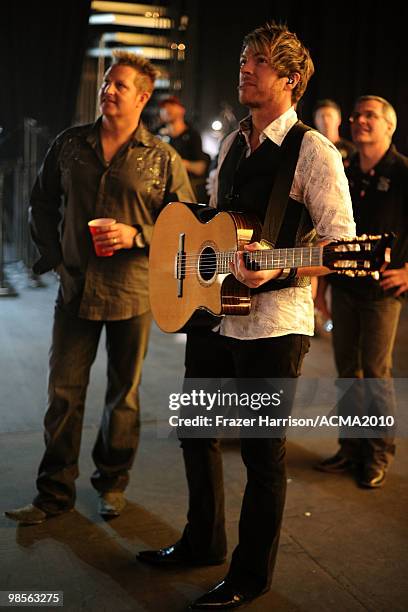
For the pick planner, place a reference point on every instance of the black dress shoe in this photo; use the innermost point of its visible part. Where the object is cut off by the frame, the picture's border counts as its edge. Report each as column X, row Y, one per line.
column 224, row 596
column 372, row 477
column 174, row 556
column 335, row 465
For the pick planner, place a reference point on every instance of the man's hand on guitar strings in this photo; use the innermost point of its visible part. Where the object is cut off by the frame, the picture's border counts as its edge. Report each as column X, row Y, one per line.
column 247, row 277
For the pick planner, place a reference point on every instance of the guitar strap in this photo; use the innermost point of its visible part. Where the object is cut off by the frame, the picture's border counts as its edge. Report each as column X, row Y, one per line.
column 275, row 214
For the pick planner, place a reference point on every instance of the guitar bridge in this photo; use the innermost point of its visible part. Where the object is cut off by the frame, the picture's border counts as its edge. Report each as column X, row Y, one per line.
column 180, row 265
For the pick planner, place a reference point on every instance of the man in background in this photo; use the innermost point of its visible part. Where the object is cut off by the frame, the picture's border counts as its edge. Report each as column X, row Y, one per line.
column 187, row 142
column 366, row 312
column 327, row 119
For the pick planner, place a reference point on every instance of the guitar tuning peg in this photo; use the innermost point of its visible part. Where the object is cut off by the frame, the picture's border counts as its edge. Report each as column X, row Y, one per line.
column 359, row 273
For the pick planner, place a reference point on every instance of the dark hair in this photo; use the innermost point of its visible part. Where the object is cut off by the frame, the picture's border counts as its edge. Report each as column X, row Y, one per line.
column 326, row 102
column 170, row 100
column 286, row 53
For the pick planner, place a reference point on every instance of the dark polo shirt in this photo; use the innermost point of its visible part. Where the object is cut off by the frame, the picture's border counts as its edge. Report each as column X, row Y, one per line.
column 380, row 204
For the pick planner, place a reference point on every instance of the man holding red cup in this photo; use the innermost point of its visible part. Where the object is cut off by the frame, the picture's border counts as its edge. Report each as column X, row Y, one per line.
column 103, row 232
column 92, row 211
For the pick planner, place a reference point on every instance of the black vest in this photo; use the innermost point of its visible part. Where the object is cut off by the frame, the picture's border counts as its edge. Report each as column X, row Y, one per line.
column 245, row 185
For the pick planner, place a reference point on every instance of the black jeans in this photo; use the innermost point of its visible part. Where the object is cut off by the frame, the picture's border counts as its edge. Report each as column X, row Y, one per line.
column 364, row 333
column 209, row 355
column 73, row 351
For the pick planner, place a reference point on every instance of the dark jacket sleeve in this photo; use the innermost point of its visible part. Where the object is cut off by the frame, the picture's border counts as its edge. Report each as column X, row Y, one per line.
column 45, row 211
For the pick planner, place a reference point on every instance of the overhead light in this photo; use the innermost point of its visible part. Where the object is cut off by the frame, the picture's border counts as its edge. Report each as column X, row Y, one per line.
column 162, row 84
column 216, row 125
column 124, row 7
column 139, row 21
column 128, row 38
column 155, row 53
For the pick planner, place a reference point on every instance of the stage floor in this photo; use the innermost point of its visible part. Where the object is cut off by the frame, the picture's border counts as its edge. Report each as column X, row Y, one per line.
column 342, row 548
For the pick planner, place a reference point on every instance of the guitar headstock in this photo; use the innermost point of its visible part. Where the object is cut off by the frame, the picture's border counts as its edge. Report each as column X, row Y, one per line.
column 362, row 256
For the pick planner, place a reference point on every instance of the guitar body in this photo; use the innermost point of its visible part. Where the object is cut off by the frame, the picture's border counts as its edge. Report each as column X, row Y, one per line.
column 184, row 286
column 191, row 251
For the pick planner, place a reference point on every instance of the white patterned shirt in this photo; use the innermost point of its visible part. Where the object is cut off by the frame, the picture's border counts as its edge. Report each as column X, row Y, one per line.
column 320, row 184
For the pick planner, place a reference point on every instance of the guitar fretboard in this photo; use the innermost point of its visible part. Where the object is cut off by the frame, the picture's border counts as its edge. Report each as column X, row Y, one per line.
column 272, row 259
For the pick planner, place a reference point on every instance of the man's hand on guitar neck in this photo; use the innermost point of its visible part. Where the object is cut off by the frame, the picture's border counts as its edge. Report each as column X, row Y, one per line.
column 254, row 279
column 248, row 277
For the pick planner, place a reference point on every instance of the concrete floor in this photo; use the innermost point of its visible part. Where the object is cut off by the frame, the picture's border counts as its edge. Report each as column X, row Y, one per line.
column 343, row 549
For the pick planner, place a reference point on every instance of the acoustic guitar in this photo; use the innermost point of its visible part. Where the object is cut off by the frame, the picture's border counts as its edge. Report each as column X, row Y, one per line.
column 193, row 245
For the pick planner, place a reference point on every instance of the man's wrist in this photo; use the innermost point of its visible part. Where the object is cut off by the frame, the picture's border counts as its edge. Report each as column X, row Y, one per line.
column 138, row 240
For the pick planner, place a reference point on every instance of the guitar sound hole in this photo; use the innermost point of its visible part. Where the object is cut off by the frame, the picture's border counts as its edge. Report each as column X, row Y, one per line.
column 207, row 264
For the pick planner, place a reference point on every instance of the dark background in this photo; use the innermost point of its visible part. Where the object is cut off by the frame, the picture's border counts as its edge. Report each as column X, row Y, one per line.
column 42, row 44
column 357, row 47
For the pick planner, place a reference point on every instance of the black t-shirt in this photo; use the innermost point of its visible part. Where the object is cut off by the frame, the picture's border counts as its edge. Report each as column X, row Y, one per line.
column 188, row 145
column 347, row 150
column 380, row 204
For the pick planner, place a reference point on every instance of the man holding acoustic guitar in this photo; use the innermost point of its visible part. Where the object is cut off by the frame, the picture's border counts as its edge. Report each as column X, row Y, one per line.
column 271, row 149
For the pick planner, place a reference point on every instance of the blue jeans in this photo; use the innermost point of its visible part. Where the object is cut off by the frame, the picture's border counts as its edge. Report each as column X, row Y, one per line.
column 73, row 351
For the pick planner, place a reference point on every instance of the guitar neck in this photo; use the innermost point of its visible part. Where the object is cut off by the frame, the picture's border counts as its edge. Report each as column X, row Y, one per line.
column 273, row 259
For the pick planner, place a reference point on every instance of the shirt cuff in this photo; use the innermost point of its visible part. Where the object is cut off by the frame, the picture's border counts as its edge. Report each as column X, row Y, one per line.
column 138, row 240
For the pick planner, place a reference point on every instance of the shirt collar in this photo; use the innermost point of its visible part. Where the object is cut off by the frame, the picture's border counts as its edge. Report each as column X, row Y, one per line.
column 382, row 166
column 140, row 136
column 386, row 161
column 275, row 131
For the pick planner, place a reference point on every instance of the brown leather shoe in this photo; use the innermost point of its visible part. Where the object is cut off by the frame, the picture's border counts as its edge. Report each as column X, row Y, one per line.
column 335, row 465
column 27, row 515
column 372, row 477
column 111, row 504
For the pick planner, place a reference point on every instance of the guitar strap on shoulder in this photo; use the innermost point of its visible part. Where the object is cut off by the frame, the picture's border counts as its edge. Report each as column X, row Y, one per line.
column 279, row 197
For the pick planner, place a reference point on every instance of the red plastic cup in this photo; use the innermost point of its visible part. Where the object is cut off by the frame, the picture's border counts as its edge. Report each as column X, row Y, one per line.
column 99, row 226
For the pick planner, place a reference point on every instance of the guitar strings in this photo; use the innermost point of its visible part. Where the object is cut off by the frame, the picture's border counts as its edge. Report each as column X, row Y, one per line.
column 267, row 257
column 212, row 262
column 214, row 271
column 192, row 262
column 265, row 252
column 216, row 267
